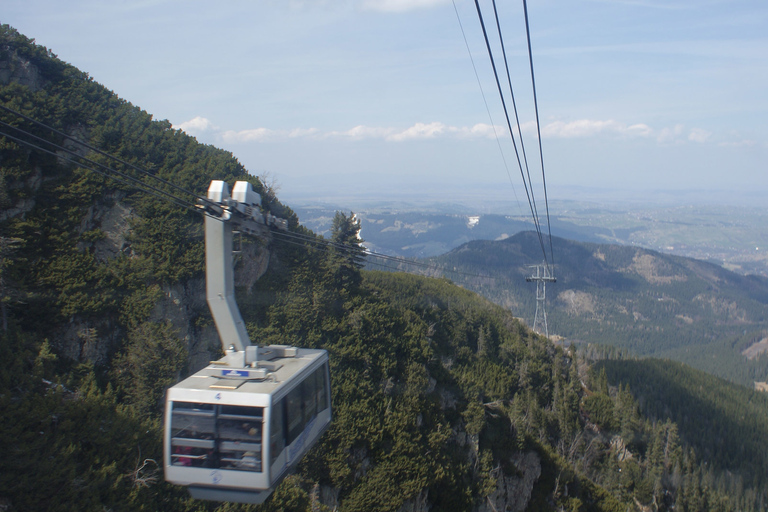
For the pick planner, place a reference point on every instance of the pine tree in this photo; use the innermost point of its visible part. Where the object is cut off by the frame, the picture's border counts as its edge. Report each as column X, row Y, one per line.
column 347, row 254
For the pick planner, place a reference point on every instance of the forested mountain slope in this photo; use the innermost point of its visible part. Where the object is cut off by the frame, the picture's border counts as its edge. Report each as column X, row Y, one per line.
column 442, row 400
column 727, row 424
column 631, row 298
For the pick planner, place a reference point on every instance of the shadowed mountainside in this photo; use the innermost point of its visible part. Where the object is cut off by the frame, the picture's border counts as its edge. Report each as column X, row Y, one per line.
column 627, row 297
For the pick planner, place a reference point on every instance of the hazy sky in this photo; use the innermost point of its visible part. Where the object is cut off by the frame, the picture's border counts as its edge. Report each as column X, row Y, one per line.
column 379, row 97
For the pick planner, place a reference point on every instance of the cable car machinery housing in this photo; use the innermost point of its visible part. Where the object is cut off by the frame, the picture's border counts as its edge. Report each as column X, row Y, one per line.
column 236, row 428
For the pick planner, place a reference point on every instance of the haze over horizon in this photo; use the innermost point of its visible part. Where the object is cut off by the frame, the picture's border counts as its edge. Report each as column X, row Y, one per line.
column 642, row 100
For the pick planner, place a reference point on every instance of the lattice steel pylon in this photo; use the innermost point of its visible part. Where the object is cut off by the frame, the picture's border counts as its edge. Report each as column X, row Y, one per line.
column 541, row 278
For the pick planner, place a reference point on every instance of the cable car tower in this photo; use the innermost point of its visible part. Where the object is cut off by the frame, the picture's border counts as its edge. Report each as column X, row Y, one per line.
column 237, row 427
column 541, row 278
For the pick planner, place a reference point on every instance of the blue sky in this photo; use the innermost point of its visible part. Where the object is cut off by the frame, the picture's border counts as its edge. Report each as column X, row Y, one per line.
column 378, row 98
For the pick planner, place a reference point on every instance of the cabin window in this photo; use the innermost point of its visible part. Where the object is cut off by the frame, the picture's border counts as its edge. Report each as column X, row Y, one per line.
column 193, row 421
column 216, row 436
column 322, row 388
column 276, row 431
column 239, row 435
column 304, row 402
column 294, row 414
column 309, row 397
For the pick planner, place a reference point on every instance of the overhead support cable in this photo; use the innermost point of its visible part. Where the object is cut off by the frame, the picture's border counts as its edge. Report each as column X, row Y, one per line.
column 367, row 261
column 514, row 106
column 108, row 172
column 528, row 193
column 297, row 238
column 487, row 108
column 105, row 154
column 538, row 128
column 71, row 156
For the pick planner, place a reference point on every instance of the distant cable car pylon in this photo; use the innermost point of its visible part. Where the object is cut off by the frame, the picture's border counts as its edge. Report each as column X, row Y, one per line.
column 541, row 277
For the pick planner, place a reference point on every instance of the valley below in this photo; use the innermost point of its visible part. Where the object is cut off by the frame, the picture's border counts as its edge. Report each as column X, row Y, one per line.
column 734, row 237
column 686, row 282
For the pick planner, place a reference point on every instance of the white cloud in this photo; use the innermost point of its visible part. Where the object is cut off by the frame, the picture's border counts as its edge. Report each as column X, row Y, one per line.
column 484, row 130
column 266, row 134
column 670, row 135
column 699, row 135
column 255, row 134
column 592, row 127
column 363, row 132
column 399, row 5
column 421, row 131
column 302, row 132
column 582, row 128
column 640, row 130
column 196, row 125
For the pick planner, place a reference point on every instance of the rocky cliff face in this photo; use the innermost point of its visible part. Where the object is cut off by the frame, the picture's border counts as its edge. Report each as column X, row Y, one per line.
column 15, row 68
column 182, row 304
column 104, row 230
column 513, row 492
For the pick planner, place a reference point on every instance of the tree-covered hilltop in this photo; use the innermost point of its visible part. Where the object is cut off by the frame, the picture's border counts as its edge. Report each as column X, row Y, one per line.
column 441, row 399
column 635, row 299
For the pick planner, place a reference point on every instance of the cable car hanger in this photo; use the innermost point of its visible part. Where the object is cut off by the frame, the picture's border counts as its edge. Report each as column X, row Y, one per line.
column 236, row 428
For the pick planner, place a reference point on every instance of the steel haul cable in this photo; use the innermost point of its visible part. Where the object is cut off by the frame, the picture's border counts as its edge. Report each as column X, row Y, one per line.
column 538, row 129
column 528, row 193
column 526, row 183
column 99, row 151
column 107, row 172
column 131, row 181
column 487, row 109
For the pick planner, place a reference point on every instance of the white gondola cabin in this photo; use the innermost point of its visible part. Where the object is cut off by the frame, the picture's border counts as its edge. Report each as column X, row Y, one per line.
column 231, row 438
column 236, row 428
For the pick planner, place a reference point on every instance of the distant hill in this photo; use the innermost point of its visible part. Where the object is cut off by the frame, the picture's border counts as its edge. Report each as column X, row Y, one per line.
column 432, row 230
column 631, row 298
column 734, row 237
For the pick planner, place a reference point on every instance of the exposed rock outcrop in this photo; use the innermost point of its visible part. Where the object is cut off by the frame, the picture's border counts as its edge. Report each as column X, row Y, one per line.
column 513, row 492
column 15, row 68
column 184, row 306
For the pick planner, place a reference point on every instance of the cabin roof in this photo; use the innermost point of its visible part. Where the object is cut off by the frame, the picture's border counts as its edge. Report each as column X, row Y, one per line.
column 278, row 368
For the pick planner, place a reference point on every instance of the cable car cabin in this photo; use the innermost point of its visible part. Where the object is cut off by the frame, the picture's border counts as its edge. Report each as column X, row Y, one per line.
column 236, row 428
column 233, row 433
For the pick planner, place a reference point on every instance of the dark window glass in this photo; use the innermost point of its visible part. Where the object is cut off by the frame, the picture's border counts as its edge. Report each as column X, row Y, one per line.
column 192, row 421
column 238, row 429
column 294, row 414
column 276, row 432
column 240, row 410
column 309, row 397
column 322, row 388
column 225, row 436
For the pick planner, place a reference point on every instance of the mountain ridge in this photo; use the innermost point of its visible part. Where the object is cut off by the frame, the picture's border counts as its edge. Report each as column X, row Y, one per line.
column 733, row 237
column 632, row 298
